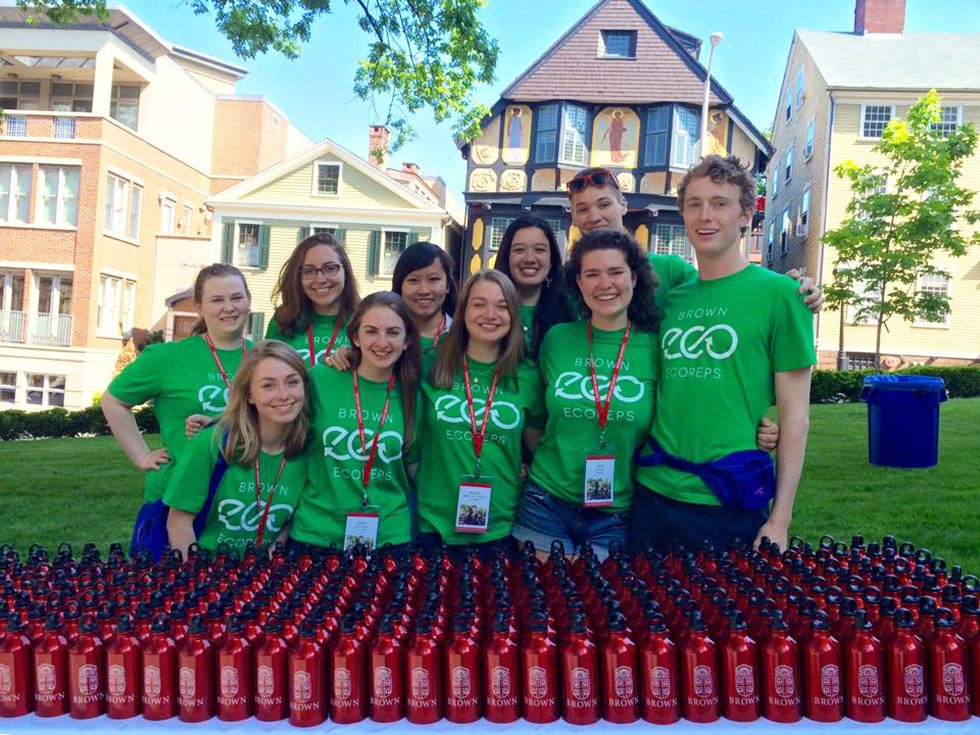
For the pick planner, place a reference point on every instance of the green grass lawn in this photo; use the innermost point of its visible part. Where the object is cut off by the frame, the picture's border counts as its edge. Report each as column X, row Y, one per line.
column 80, row 490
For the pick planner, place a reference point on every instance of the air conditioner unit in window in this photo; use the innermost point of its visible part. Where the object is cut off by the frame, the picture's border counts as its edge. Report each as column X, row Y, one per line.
column 801, row 230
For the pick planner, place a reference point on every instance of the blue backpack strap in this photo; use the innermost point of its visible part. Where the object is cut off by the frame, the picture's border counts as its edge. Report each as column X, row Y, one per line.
column 217, row 475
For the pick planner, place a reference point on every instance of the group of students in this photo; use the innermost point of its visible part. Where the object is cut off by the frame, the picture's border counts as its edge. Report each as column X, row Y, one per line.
column 598, row 401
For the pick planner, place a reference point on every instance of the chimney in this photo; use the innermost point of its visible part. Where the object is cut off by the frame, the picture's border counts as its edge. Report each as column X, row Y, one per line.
column 378, row 137
column 410, row 168
column 879, row 16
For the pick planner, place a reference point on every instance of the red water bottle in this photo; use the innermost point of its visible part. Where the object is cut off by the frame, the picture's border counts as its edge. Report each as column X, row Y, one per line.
column 781, row 673
column 948, row 670
column 973, row 645
column 864, row 672
column 462, row 666
column 619, row 665
column 51, row 670
column 159, row 672
column 86, row 672
column 387, row 680
column 307, row 675
column 348, row 671
column 823, row 694
column 234, row 664
column 580, row 674
column 271, row 671
column 501, row 672
column 16, row 684
column 699, row 673
column 906, row 664
column 195, row 674
column 658, row 672
column 539, row 667
column 124, row 671
column 740, row 672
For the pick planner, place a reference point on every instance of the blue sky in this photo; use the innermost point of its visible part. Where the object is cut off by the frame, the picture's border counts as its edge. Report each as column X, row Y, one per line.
column 316, row 91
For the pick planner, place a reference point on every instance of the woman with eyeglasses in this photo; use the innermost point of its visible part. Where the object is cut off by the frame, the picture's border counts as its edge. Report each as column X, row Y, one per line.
column 317, row 292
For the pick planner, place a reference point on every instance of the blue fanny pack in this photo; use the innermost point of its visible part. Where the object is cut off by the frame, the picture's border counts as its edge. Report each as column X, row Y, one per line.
column 150, row 528
column 740, row 480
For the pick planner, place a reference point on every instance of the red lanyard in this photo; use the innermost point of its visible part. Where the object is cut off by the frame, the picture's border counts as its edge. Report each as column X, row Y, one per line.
column 369, row 462
column 268, row 502
column 333, row 338
column 603, row 411
column 442, row 325
column 217, row 360
column 478, row 437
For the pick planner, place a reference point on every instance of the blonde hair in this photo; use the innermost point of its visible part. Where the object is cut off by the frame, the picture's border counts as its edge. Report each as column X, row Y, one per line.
column 241, row 420
column 450, row 351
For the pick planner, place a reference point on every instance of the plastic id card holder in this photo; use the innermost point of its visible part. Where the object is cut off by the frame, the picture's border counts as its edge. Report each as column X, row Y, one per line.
column 600, row 466
column 362, row 528
column 473, row 504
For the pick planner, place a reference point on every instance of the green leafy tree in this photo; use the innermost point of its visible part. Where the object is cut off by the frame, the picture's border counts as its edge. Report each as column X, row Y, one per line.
column 422, row 54
column 903, row 214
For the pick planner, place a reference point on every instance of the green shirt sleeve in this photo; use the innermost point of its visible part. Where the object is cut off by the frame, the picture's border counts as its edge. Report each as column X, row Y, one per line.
column 142, row 379
column 413, row 452
column 791, row 347
column 672, row 270
column 188, row 487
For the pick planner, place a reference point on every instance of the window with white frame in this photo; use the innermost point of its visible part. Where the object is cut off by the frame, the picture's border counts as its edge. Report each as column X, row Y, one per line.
column 54, row 295
column 64, row 127
column 135, row 211
column 107, row 313
column 185, row 219
column 495, row 233
column 657, row 135
column 804, row 227
column 114, row 221
column 12, row 291
column 789, row 164
column 45, row 390
column 800, row 80
column 68, row 97
column 865, row 294
column 938, row 285
column 15, row 192
column 771, row 241
column 950, row 118
column 810, row 131
column 247, row 244
column 687, row 132
column 547, row 129
column 128, row 302
column 789, row 102
column 15, row 126
column 8, row 387
column 874, row 120
column 394, row 244
column 671, row 240
column 124, row 104
column 774, row 180
column 168, row 215
column 327, row 179
column 784, row 233
column 19, row 95
column 58, row 195
column 574, row 126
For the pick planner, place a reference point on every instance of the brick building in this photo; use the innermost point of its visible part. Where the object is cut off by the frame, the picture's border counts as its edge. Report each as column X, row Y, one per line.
column 109, row 148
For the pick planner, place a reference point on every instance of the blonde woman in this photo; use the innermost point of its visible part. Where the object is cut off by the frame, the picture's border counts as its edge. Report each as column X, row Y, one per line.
column 254, row 455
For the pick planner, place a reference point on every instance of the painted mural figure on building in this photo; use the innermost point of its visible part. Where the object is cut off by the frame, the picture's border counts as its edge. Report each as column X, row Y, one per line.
column 617, row 127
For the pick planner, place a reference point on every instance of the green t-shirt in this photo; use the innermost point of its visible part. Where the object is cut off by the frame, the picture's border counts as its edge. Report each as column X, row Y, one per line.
column 527, row 325
column 672, row 271
column 446, row 446
column 234, row 517
column 573, row 424
column 181, row 378
column 323, row 326
column 722, row 342
column 337, row 461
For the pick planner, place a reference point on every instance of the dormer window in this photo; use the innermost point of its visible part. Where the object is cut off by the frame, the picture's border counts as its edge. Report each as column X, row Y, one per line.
column 618, row 44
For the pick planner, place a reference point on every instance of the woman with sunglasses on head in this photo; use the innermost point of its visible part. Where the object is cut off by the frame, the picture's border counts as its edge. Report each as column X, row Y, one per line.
column 258, row 446
column 364, row 434
column 474, row 402
column 186, row 380
column 318, row 294
column 599, row 380
column 530, row 257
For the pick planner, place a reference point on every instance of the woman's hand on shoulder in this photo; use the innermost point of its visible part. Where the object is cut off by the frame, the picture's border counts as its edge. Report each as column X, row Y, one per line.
column 814, row 295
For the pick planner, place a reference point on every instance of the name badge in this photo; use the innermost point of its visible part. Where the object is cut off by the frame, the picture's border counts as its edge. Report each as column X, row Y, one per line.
column 473, row 504
column 600, row 466
column 361, row 528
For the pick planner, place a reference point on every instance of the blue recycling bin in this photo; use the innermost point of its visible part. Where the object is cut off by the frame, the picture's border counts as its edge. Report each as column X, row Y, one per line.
column 903, row 419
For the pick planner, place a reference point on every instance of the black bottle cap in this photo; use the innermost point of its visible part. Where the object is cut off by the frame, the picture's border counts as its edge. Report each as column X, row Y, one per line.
column 197, row 626
column 52, row 622
column 904, row 618
column 307, row 628
column 161, row 624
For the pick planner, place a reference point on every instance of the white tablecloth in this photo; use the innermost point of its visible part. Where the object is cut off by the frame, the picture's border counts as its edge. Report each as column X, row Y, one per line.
column 60, row 725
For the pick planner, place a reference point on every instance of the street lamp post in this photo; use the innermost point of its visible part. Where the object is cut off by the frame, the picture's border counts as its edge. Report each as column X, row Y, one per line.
column 702, row 141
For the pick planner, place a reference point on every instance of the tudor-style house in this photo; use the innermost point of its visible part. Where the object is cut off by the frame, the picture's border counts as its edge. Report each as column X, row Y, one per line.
column 839, row 92
column 620, row 90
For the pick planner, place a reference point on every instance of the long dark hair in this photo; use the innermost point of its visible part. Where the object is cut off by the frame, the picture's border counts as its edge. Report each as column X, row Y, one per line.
column 553, row 305
column 408, row 366
column 421, row 255
column 215, row 270
column 642, row 311
column 296, row 309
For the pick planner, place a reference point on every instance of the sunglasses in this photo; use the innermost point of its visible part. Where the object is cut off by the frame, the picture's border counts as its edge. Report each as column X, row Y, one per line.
column 600, row 178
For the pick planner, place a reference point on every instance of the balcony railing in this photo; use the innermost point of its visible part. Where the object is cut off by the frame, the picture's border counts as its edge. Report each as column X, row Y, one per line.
column 52, row 329
column 12, row 326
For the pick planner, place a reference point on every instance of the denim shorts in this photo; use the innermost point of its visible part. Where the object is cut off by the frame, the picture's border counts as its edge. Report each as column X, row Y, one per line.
column 543, row 518
column 663, row 520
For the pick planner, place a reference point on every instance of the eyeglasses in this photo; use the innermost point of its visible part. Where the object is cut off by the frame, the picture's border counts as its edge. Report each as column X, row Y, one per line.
column 601, row 177
column 329, row 270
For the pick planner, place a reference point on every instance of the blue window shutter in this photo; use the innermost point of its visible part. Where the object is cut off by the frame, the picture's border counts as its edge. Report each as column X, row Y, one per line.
column 411, row 238
column 227, row 241
column 264, row 246
column 374, row 253
column 302, row 234
column 257, row 327
column 341, row 236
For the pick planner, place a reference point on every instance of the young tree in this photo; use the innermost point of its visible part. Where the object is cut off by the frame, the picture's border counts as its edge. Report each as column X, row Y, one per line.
column 902, row 216
column 422, row 53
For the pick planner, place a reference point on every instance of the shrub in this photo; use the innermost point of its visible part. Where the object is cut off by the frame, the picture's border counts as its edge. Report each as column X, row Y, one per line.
column 57, row 422
column 832, row 386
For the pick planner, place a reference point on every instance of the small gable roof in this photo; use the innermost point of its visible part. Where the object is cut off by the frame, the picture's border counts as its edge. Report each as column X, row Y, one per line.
column 234, row 194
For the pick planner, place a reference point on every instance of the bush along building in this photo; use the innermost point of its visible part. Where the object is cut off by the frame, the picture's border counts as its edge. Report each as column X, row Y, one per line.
column 619, row 90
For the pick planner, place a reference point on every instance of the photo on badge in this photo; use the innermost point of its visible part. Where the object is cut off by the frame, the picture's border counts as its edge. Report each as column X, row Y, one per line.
column 600, row 467
column 473, row 505
column 361, row 528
